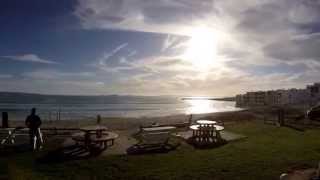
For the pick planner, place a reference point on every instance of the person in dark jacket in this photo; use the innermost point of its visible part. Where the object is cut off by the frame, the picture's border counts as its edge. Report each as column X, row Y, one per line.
column 33, row 122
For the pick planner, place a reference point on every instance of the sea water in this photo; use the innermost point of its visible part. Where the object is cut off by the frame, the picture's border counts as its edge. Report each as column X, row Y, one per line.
column 75, row 109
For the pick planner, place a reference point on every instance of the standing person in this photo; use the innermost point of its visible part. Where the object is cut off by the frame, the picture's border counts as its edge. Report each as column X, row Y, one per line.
column 33, row 122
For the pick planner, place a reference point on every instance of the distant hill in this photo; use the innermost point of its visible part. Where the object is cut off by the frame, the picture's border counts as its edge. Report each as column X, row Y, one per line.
column 225, row 99
column 208, row 98
column 29, row 98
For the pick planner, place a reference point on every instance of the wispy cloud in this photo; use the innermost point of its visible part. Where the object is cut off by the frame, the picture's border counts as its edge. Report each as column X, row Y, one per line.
column 172, row 42
column 51, row 74
column 5, row 76
column 107, row 55
column 140, row 15
column 262, row 44
column 29, row 58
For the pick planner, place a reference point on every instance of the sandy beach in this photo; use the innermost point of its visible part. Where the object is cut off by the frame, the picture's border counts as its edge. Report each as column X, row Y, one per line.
column 127, row 127
column 245, row 132
column 121, row 123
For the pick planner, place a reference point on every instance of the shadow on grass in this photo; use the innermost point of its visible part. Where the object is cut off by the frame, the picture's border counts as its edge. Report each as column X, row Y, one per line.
column 206, row 145
column 11, row 150
column 68, row 153
column 151, row 149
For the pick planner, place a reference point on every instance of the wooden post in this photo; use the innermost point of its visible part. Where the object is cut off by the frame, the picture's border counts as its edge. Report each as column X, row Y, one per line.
column 59, row 113
column 5, row 120
column 98, row 119
column 190, row 119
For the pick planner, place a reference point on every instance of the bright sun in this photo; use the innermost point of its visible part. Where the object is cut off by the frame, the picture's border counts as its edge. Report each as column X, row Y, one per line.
column 201, row 48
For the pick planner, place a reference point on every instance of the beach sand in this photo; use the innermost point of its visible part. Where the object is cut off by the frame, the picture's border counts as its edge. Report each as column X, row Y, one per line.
column 121, row 123
column 127, row 127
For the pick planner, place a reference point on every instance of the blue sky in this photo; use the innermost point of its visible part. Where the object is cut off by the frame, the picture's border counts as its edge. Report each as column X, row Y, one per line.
column 163, row 47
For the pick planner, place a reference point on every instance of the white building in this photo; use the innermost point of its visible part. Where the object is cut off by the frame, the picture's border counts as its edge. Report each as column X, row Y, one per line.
column 251, row 99
column 308, row 96
column 314, row 93
column 240, row 100
column 273, row 98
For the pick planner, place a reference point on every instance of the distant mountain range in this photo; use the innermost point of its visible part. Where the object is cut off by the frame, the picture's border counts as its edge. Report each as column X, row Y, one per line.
column 30, row 98
column 225, row 99
column 210, row 98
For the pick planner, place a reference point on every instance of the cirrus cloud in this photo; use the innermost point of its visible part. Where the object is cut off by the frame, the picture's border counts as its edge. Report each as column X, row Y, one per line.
column 29, row 58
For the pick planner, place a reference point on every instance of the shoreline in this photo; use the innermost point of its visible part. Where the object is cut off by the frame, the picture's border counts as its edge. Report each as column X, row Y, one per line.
column 121, row 108
column 71, row 116
column 125, row 123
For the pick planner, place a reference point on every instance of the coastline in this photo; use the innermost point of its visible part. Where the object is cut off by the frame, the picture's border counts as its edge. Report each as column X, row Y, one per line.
column 54, row 107
column 127, row 123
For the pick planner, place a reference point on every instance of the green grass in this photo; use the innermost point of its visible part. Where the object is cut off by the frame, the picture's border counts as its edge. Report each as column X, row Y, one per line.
column 266, row 153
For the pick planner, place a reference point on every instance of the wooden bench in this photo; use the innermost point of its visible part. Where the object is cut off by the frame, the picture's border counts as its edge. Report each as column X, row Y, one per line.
column 93, row 140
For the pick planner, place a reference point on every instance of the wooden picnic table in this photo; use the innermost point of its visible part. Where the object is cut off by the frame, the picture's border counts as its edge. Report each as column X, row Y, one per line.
column 197, row 126
column 92, row 139
column 206, row 122
column 105, row 138
column 157, row 129
column 93, row 128
column 11, row 133
column 195, row 129
column 95, row 135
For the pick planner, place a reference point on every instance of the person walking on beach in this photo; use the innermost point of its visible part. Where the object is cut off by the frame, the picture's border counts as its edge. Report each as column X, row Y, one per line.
column 33, row 122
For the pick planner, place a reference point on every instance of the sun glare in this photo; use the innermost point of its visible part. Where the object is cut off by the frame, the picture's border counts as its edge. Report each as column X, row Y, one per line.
column 198, row 106
column 201, row 48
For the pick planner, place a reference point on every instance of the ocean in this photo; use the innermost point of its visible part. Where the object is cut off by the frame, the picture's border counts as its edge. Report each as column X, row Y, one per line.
column 84, row 107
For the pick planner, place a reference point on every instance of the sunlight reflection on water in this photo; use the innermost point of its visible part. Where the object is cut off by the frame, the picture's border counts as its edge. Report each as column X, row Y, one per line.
column 199, row 106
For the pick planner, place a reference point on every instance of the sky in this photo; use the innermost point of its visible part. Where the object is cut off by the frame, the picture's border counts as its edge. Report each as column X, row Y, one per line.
column 158, row 47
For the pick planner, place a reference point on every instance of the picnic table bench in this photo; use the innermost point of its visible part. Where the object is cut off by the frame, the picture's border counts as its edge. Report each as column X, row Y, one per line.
column 96, row 135
column 153, row 139
column 206, row 132
column 105, row 140
column 158, row 129
column 11, row 133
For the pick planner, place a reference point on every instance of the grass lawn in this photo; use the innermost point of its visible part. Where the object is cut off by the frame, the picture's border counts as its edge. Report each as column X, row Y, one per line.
column 266, row 153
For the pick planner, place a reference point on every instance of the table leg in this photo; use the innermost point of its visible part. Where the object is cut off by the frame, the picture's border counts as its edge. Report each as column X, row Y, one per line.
column 87, row 140
column 218, row 135
column 7, row 139
column 11, row 137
